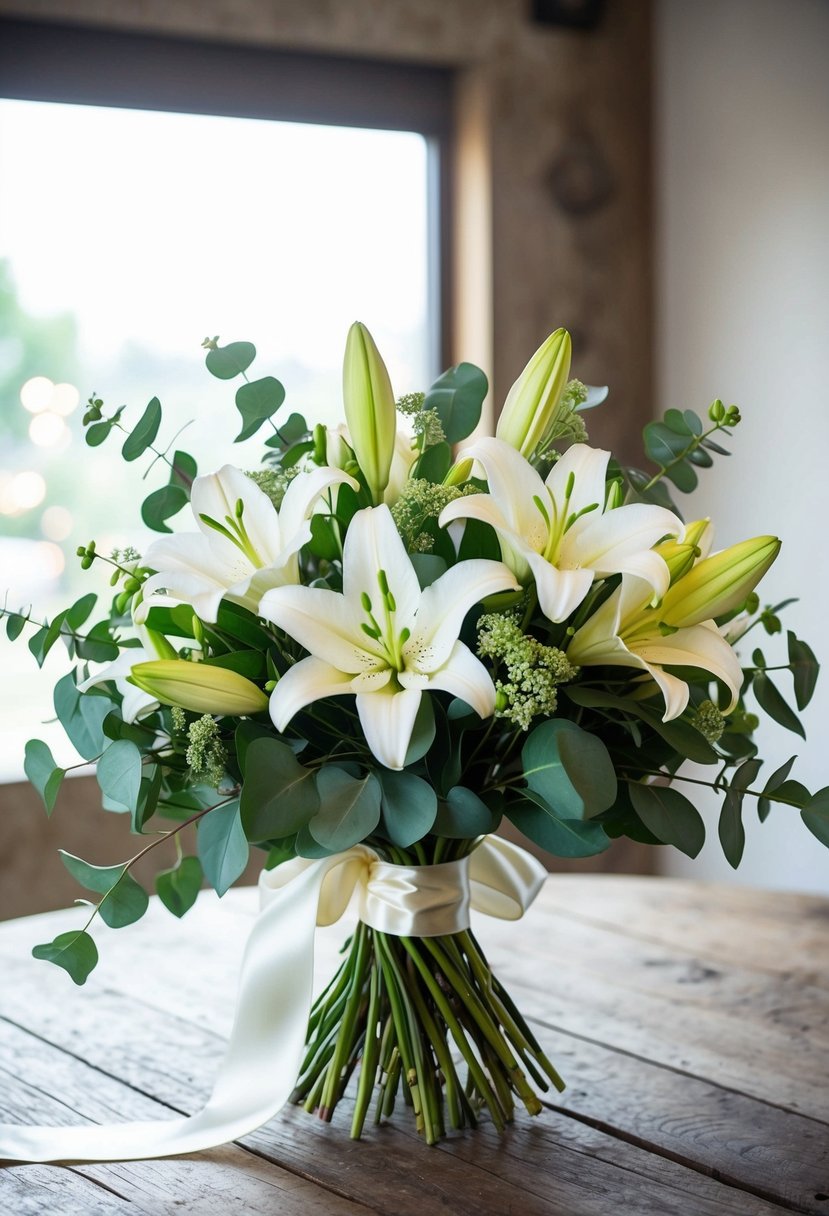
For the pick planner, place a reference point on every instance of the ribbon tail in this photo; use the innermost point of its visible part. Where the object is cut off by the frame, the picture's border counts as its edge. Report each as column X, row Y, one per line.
column 264, row 1054
column 504, row 879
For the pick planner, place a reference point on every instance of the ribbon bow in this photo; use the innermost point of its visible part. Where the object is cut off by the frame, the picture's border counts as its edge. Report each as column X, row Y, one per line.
column 264, row 1053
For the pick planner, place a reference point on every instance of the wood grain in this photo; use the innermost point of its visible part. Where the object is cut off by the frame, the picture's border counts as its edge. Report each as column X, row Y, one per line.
column 681, row 1094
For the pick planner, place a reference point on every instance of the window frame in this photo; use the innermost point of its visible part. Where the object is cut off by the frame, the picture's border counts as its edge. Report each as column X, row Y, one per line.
column 81, row 65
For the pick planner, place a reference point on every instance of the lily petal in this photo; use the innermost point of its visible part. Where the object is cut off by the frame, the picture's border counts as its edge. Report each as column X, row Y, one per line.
column 303, row 683
column 514, row 484
column 325, row 623
column 387, row 718
column 464, row 676
column 589, row 469
column 559, row 591
column 216, row 495
column 301, row 497
column 701, row 646
column 373, row 544
column 607, row 543
column 483, row 507
column 445, row 603
column 674, row 690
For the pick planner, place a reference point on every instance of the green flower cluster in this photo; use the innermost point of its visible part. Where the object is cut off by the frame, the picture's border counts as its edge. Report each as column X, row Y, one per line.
column 566, row 424
column 533, row 670
column 274, row 482
column 709, row 721
column 426, row 423
column 421, row 501
column 206, row 754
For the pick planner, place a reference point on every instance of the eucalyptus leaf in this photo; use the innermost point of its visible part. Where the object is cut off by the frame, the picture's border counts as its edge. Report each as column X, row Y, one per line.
column 671, row 816
column 731, row 831
column 40, row 768
column 119, row 773
column 162, row 505
column 124, row 900
column 805, row 670
column 570, row 769
column 225, row 362
column 349, row 808
column 279, row 795
column 816, row 815
column 423, row 733
column 75, row 951
column 144, row 432
column 462, row 814
column 561, row 837
column 409, row 806
column 771, row 700
column 223, row 846
column 458, row 396
column 257, row 401
column 82, row 717
column 434, row 463
column 179, row 887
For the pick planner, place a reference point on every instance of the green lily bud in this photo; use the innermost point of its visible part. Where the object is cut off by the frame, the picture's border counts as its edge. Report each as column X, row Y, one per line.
column 532, row 400
column 720, row 583
column 369, row 408
column 460, row 472
column 680, row 556
column 200, row 687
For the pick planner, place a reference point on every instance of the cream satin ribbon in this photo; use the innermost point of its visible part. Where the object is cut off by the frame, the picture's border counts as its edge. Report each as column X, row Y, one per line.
column 260, row 1067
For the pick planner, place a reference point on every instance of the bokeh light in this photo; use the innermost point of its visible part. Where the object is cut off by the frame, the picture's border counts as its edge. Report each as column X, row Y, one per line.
column 21, row 492
column 56, row 523
column 46, row 430
column 36, row 394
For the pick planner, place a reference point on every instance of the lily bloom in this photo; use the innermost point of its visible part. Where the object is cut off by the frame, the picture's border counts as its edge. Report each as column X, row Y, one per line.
column 244, row 545
column 559, row 532
column 383, row 638
column 626, row 632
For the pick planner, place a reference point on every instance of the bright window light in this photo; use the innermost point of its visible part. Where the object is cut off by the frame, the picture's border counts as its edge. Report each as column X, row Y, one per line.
column 128, row 236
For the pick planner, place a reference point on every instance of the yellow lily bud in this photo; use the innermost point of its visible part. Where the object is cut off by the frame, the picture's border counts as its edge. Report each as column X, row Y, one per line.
column 718, row 584
column 199, row 686
column 532, row 400
column 680, row 556
column 460, row 472
column 369, row 408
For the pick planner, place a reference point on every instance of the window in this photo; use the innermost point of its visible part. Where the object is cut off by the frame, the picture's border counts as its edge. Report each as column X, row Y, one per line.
column 134, row 221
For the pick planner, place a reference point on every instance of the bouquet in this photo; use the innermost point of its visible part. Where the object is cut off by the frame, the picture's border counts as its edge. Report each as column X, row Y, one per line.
column 385, row 639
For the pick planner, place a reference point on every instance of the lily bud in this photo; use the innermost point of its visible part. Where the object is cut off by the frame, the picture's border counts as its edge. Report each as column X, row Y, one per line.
column 680, row 556
column 460, row 472
column 369, row 408
column 532, row 400
column 718, row 584
column 200, row 687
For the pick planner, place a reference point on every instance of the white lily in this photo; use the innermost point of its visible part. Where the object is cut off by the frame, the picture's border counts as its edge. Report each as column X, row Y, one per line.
column 244, row 546
column 625, row 632
column 383, row 638
column 559, row 532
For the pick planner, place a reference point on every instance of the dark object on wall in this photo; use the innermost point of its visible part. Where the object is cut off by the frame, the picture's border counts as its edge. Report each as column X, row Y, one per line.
column 573, row 14
column 580, row 178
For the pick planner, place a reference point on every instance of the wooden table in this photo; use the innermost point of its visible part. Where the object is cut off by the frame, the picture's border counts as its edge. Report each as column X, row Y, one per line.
column 690, row 1022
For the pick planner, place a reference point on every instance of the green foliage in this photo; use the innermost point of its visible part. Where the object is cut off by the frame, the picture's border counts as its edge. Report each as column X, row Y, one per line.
column 144, row 433
column 462, row 814
column 570, row 769
column 816, row 815
column 457, row 396
column 279, row 795
column 179, row 887
column 46, row 776
column 257, row 401
column 349, row 808
column 82, row 716
column 75, row 951
column 119, row 774
column 409, row 806
column 162, row 505
column 562, row 837
column 223, row 846
column 123, row 900
column 671, row 817
column 226, row 362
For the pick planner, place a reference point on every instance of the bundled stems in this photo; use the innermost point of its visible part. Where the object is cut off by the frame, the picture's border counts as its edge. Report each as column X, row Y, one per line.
column 415, row 1014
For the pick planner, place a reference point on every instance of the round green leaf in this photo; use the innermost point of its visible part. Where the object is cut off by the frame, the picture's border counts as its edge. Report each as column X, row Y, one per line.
column 349, row 808
column 458, row 396
column 256, row 401
column 119, row 773
column 76, row 952
column 561, row 837
column 671, row 817
column 162, row 505
column 409, row 806
column 225, row 362
column 223, row 846
column 279, row 795
column 39, row 766
column 462, row 815
column 570, row 769
column 178, row 888
column 82, row 717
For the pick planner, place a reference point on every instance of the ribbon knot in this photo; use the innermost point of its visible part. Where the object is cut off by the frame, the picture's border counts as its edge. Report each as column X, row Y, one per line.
column 257, row 1075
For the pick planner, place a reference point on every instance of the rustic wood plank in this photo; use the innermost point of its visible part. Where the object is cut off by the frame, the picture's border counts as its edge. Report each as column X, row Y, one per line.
column 42, row 1084
column 781, row 932
column 755, row 1145
column 31, row 1190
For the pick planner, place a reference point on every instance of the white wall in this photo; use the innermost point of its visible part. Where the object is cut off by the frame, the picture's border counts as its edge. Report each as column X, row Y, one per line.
column 742, row 142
